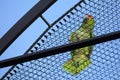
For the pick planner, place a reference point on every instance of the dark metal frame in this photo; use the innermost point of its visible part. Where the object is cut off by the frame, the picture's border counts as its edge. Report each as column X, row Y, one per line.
column 49, row 26
column 24, row 23
column 48, row 3
column 60, row 49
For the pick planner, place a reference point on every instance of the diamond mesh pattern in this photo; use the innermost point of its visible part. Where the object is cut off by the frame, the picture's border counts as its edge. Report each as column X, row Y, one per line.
column 105, row 56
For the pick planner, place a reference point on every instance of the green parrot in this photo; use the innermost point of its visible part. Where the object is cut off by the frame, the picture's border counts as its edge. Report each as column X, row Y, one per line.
column 80, row 58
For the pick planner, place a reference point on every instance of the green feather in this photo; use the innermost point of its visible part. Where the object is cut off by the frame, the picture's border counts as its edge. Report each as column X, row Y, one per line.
column 80, row 58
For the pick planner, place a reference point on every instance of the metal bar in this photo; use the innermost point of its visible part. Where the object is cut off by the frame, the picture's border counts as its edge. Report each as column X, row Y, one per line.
column 43, row 35
column 23, row 23
column 25, row 53
column 63, row 14
column 60, row 49
column 45, row 32
column 45, row 20
column 67, row 12
column 52, row 25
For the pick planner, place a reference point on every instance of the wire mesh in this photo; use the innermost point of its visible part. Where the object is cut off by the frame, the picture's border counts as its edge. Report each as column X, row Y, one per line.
column 105, row 56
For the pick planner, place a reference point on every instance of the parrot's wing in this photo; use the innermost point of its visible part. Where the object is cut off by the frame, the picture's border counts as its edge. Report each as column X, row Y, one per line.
column 74, row 37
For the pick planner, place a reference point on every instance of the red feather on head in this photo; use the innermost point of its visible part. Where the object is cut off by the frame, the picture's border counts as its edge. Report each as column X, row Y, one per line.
column 88, row 16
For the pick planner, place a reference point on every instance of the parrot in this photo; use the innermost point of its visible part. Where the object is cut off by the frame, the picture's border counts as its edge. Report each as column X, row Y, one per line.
column 80, row 58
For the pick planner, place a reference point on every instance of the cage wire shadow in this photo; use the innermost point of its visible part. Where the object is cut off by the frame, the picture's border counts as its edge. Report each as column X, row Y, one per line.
column 105, row 57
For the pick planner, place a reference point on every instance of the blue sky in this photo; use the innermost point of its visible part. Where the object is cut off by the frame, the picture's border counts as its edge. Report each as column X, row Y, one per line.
column 105, row 57
column 13, row 10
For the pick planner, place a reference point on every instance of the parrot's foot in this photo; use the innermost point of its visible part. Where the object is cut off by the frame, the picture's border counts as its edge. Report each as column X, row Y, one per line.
column 70, row 68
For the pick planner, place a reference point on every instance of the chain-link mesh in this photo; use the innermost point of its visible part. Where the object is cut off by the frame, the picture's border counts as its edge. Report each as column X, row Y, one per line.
column 105, row 56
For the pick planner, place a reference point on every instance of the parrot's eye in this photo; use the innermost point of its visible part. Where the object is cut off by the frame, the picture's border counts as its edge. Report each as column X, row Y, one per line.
column 85, row 20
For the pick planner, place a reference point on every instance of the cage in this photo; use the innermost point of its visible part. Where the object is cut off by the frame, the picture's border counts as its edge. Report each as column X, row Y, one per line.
column 105, row 59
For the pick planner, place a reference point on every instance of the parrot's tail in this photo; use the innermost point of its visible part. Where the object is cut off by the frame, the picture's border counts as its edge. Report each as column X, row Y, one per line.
column 75, row 67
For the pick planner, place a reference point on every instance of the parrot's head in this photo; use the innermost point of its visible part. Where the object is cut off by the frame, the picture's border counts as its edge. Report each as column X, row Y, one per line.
column 89, row 21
